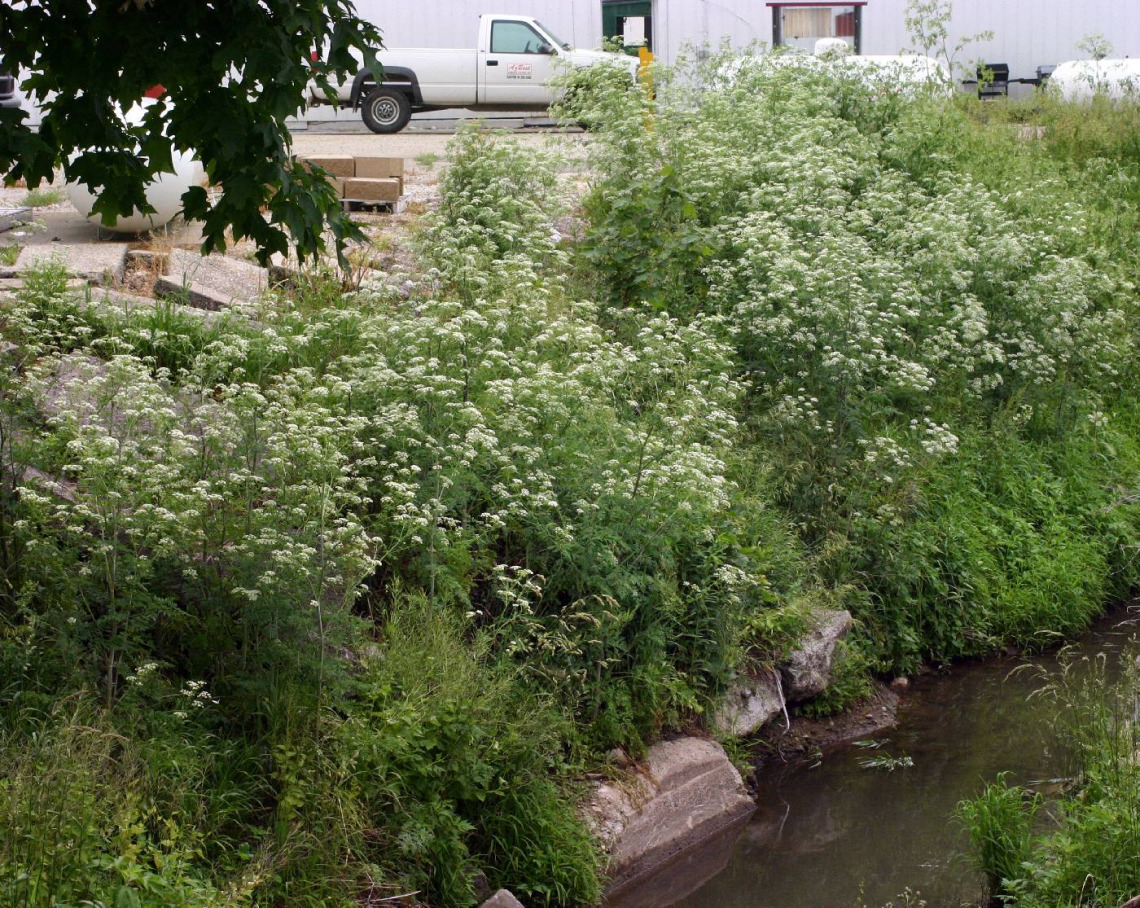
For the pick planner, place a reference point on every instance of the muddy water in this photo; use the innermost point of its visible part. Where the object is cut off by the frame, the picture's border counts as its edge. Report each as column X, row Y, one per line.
column 825, row 833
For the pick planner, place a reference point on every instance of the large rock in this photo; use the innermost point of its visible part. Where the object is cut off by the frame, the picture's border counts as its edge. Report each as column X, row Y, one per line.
column 688, row 791
column 502, row 899
column 749, row 703
column 807, row 672
column 683, row 874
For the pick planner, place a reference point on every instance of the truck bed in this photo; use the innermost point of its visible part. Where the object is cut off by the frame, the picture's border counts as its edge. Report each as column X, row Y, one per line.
column 446, row 75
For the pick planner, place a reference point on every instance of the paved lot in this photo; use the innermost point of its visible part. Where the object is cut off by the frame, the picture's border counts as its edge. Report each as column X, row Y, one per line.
column 352, row 138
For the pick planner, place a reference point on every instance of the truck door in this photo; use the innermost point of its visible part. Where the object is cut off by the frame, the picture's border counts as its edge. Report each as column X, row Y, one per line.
column 517, row 64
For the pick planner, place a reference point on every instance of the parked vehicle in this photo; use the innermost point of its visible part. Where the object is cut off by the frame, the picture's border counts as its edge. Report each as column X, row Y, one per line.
column 509, row 69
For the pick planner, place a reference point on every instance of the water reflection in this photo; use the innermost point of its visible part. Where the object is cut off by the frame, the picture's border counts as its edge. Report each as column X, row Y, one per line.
column 824, row 835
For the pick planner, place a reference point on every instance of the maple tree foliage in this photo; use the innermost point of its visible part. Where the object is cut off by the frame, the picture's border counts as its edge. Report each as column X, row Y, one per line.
column 233, row 71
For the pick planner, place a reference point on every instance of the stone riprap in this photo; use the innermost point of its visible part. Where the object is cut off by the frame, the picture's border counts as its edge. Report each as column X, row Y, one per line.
column 502, row 899
column 807, row 671
column 687, row 791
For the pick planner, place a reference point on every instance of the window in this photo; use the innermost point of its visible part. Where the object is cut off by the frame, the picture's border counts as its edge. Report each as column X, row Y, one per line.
column 802, row 24
column 516, row 38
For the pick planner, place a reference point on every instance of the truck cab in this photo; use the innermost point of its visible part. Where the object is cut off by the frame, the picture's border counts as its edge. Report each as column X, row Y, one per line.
column 516, row 60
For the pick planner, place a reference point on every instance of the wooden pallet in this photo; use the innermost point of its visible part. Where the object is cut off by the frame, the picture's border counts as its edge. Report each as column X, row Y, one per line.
column 372, row 205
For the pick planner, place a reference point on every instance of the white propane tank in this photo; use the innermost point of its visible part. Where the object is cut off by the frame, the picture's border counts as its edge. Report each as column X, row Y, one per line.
column 905, row 74
column 834, row 47
column 164, row 194
column 1081, row 80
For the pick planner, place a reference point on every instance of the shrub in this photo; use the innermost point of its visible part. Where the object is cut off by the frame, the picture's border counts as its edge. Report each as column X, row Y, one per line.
column 900, row 312
column 457, row 768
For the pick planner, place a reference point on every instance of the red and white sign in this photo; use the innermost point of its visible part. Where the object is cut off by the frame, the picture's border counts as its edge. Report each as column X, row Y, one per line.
column 520, row 71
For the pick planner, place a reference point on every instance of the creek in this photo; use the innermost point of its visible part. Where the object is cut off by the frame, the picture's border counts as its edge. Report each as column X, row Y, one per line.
column 832, row 830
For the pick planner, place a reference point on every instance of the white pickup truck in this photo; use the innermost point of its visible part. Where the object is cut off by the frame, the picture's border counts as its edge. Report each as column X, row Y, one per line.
column 510, row 69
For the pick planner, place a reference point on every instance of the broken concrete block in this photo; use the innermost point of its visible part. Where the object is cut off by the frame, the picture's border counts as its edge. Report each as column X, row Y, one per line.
column 64, row 489
column 15, row 284
column 111, row 304
column 749, row 703
column 372, row 190
column 211, row 282
column 97, row 262
column 807, row 672
column 504, row 898
column 337, row 165
column 688, row 792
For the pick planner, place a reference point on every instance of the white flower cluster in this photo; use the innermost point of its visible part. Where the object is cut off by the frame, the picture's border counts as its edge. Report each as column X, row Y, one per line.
column 867, row 284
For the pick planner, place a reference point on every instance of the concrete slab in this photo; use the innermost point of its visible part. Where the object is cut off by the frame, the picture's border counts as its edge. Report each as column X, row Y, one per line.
column 113, row 303
column 12, row 284
column 211, row 282
column 96, row 262
column 10, row 217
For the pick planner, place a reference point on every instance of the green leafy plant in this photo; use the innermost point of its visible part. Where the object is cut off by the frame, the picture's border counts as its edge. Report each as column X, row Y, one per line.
column 43, row 197
column 1000, row 824
column 215, row 64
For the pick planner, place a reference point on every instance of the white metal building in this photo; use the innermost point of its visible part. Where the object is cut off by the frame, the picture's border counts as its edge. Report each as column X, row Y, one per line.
column 1027, row 33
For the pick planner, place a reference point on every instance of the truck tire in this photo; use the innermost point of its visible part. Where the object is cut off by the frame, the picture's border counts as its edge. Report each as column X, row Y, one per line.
column 385, row 110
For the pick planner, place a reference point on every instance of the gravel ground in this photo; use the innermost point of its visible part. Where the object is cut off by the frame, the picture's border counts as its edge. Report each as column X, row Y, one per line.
column 404, row 145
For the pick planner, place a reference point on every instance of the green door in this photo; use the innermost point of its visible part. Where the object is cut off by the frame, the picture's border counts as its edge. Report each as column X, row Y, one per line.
column 620, row 19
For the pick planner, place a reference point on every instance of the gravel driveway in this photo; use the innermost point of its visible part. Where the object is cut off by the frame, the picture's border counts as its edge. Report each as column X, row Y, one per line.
column 400, row 145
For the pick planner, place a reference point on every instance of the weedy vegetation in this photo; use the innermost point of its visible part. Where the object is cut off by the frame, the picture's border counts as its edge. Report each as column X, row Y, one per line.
column 1091, row 855
column 342, row 604
column 44, row 196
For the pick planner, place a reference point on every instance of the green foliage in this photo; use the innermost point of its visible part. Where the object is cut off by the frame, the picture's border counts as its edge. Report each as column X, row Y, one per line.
column 455, row 763
column 82, row 821
column 1000, row 824
column 233, row 73
column 936, row 355
column 1093, row 857
column 850, row 683
column 44, row 196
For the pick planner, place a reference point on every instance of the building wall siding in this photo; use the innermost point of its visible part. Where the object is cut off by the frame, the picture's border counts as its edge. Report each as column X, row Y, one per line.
column 455, row 23
column 1027, row 33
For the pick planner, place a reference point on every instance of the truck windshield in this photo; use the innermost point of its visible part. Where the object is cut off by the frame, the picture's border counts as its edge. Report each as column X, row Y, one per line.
column 565, row 45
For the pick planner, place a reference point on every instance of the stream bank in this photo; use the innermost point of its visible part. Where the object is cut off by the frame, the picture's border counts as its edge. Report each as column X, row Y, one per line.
column 867, row 819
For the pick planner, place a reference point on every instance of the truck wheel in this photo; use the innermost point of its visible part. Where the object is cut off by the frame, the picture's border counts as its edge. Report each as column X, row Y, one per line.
column 385, row 110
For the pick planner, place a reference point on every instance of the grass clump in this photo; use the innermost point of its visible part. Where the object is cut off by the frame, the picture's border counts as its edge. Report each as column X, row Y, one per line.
column 1092, row 854
column 1000, row 824
column 44, row 197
